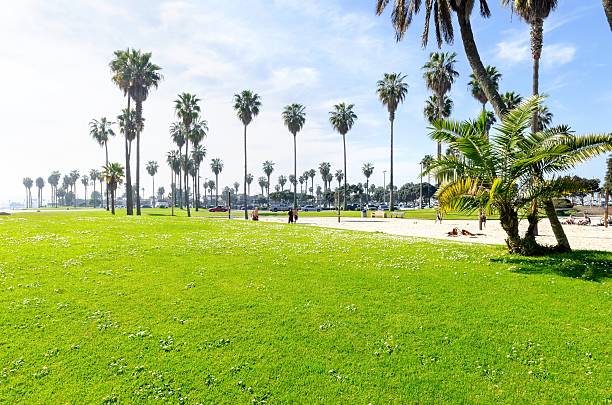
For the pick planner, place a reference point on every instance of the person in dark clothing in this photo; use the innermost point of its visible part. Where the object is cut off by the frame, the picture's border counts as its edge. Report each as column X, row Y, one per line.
column 290, row 214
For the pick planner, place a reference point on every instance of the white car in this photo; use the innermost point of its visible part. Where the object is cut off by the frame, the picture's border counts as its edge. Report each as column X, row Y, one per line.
column 312, row 208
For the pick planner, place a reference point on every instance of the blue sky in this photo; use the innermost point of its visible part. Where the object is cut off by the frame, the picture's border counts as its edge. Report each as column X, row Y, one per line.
column 55, row 79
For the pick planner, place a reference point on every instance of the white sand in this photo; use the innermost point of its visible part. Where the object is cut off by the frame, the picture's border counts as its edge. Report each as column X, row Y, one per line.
column 580, row 237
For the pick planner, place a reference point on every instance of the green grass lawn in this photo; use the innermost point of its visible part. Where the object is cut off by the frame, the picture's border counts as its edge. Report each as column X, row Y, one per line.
column 100, row 309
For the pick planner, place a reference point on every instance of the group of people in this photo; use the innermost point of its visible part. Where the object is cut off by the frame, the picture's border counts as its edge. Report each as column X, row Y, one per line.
column 293, row 215
column 572, row 220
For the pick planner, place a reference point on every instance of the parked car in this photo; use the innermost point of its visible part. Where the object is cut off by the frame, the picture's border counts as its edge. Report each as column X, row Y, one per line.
column 277, row 208
column 383, row 207
column 162, row 204
column 312, row 208
column 371, row 207
column 146, row 205
column 217, row 209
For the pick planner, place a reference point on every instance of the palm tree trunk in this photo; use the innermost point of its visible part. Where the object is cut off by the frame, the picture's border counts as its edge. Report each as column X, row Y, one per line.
column 294, row 171
column 197, row 190
column 471, row 51
column 187, row 175
column 173, row 187
column 129, row 203
column 153, row 178
column 607, row 194
column 563, row 244
column 246, row 211
column 138, row 120
column 508, row 218
column 439, row 114
column 607, row 4
column 112, row 200
column 345, row 173
column 216, row 189
column 391, row 201
column 421, row 188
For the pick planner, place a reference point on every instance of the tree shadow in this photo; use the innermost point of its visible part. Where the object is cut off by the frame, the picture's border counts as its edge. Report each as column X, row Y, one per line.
column 588, row 265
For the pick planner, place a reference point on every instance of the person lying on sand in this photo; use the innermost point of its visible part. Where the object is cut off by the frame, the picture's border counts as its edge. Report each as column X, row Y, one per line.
column 454, row 232
column 467, row 233
column 457, row 232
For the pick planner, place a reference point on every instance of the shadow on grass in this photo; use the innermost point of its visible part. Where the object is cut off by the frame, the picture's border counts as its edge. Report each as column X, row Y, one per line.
column 583, row 264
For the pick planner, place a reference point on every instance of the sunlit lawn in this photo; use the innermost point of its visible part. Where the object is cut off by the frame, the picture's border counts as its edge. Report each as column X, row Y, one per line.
column 97, row 309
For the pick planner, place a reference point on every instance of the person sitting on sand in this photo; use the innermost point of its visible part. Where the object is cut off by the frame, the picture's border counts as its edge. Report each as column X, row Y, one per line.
column 255, row 214
column 454, row 232
column 585, row 221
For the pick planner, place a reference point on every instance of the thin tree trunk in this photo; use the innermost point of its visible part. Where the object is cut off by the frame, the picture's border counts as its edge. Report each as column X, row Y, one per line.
column 439, row 108
column 345, row 173
column 562, row 241
column 113, row 200
column 129, row 203
column 391, row 200
column 187, row 175
column 294, row 171
column 607, row 194
column 471, row 51
column 153, row 178
column 246, row 211
column 607, row 4
column 216, row 190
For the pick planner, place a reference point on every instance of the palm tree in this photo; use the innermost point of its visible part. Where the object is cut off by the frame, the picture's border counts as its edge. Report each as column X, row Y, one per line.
column 339, row 175
column 342, row 119
column 211, row 187
column 236, row 187
column 294, row 117
column 247, row 105
column 53, row 180
column 430, row 111
column 263, row 183
column 177, row 133
column 512, row 99
column 66, row 186
column 607, row 4
column 216, row 165
column 402, row 16
column 74, row 176
column 85, row 182
column 173, row 158
column 391, row 91
column 40, row 183
column 268, row 168
column 425, row 165
column 94, row 175
column 101, row 130
column 493, row 77
column 127, row 127
column 544, row 117
column 607, row 187
column 152, row 167
column 192, row 170
column 144, row 75
column 440, row 74
column 113, row 175
column 122, row 77
column 312, row 173
column 197, row 155
column 249, row 180
column 367, row 169
column 497, row 173
column 325, row 170
column 187, row 110
column 282, row 180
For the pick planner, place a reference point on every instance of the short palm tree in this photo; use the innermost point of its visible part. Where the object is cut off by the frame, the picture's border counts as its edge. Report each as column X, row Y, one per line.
column 367, row 169
column 152, row 168
column 173, row 158
column 493, row 76
column 53, row 181
column 113, row 176
column 40, row 183
column 312, row 173
column 342, row 118
column 74, row 176
column 144, row 75
column 440, row 74
column 324, row 170
column 236, row 187
column 216, row 165
column 247, row 105
column 294, row 117
column 249, row 180
column 497, row 174
column 431, row 108
column 425, row 164
column 282, row 180
column 339, row 175
column 101, row 130
column 94, row 175
column 403, row 14
column 187, row 109
column 178, row 136
column 263, row 183
column 211, row 187
column 512, row 99
column 85, row 183
column 392, row 91
column 268, row 168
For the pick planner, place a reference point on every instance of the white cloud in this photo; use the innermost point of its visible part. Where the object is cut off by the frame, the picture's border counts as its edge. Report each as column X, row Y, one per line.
column 558, row 54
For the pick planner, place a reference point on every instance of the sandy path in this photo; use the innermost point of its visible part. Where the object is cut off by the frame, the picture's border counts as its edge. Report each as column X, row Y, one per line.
column 580, row 237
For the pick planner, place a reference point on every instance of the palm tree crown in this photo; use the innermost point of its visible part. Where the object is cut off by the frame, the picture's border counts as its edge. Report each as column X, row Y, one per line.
column 247, row 105
column 342, row 118
column 294, row 117
column 439, row 72
column 493, row 75
column 392, row 91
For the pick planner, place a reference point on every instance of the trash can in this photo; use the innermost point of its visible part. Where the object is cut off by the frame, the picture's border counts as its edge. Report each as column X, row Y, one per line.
column 364, row 213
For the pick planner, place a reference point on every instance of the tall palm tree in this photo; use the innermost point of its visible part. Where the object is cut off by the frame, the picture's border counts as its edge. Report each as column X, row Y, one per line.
column 144, row 75
column 113, row 175
column 342, row 119
column 430, row 111
column 85, row 182
column 178, row 136
column 263, row 183
column 122, row 77
column 425, row 165
column 216, row 165
column 94, row 175
column 249, row 180
column 236, row 187
column 498, row 173
column 247, row 105
column 198, row 132
column 440, row 74
column 607, row 188
column 403, row 14
column 211, row 188
column 392, row 91
column 282, row 180
column 268, row 168
column 152, row 167
column 367, row 169
column 53, row 181
column 512, row 99
column 127, row 127
column 66, row 186
column 40, row 183
column 192, row 170
column 101, row 130
column 187, row 110
column 294, row 117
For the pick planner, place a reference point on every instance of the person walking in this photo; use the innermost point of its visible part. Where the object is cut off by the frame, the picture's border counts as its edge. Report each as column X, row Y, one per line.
column 295, row 215
column 290, row 214
column 438, row 217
